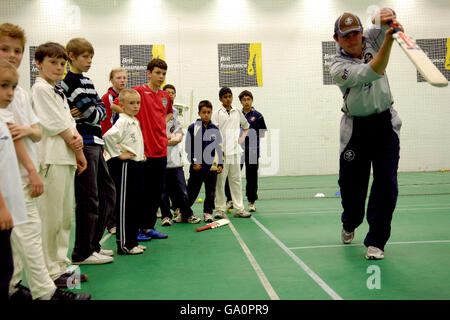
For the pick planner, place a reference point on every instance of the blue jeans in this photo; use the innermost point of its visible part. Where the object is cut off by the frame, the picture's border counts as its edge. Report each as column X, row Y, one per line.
column 174, row 187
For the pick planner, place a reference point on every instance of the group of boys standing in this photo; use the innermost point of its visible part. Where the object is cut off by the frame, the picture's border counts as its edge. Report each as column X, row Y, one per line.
column 57, row 136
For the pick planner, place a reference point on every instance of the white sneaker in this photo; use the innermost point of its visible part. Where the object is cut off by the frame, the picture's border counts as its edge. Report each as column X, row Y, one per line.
column 347, row 237
column 194, row 219
column 251, row 207
column 142, row 247
column 207, row 217
column 106, row 252
column 374, row 253
column 95, row 258
column 166, row 222
column 219, row 214
column 176, row 213
column 136, row 250
column 242, row 214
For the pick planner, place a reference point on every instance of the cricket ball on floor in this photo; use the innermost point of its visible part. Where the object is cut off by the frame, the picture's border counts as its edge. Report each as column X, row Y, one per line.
column 319, row 195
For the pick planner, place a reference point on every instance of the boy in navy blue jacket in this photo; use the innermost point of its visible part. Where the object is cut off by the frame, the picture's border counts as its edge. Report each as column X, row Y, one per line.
column 204, row 150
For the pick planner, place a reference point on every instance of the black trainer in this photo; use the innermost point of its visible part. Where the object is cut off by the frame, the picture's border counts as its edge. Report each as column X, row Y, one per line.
column 69, row 296
column 61, row 282
column 21, row 294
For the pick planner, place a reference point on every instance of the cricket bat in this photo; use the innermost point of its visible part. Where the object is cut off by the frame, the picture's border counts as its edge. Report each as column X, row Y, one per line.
column 213, row 225
column 418, row 57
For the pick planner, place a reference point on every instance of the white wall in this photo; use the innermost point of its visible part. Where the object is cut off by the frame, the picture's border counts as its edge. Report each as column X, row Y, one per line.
column 293, row 98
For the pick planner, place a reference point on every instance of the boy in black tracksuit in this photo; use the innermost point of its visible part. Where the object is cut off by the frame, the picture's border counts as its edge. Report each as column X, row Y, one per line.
column 204, row 150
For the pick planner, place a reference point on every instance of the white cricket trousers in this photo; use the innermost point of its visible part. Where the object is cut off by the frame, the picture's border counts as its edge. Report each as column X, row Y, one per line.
column 232, row 169
column 56, row 208
column 27, row 252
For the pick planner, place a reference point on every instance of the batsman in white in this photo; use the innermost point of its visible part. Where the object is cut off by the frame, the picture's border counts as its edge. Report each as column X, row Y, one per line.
column 370, row 127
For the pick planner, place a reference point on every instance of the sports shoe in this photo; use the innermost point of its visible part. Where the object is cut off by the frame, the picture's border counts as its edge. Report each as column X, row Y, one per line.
column 166, row 222
column 374, row 253
column 136, row 250
column 155, row 234
column 194, row 219
column 95, row 258
column 178, row 219
column 22, row 293
column 219, row 214
column 229, row 204
column 242, row 214
column 176, row 213
column 106, row 252
column 142, row 247
column 251, row 207
column 347, row 237
column 80, row 276
column 68, row 295
column 68, row 278
column 207, row 217
column 143, row 237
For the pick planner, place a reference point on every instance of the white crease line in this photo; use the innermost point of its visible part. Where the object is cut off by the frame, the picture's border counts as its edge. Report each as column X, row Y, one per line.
column 262, row 277
column 290, row 212
column 105, row 238
column 297, row 260
column 361, row 244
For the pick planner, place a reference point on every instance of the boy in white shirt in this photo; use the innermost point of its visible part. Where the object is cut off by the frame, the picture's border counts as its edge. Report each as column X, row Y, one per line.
column 26, row 238
column 125, row 144
column 229, row 120
column 12, row 204
column 60, row 153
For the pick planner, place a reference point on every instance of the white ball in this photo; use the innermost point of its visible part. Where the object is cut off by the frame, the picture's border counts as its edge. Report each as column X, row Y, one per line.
column 319, row 195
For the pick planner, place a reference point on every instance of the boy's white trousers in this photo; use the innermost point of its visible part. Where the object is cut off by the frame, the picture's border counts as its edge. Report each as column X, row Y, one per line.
column 56, row 209
column 28, row 254
column 232, row 170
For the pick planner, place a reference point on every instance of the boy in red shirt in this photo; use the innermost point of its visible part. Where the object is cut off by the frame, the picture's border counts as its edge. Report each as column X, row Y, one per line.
column 156, row 110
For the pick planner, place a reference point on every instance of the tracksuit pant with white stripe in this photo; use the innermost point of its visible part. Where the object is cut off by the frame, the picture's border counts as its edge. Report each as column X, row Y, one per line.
column 127, row 179
column 373, row 143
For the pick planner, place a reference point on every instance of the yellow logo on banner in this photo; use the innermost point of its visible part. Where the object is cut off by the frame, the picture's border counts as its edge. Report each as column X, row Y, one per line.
column 256, row 56
column 158, row 51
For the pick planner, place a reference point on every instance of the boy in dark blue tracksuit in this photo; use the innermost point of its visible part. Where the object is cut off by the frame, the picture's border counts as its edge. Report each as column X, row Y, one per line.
column 251, row 149
column 370, row 128
column 204, row 152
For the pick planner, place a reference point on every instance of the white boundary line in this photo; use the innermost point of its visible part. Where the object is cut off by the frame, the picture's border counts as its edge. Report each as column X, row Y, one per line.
column 297, row 260
column 361, row 244
column 259, row 272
